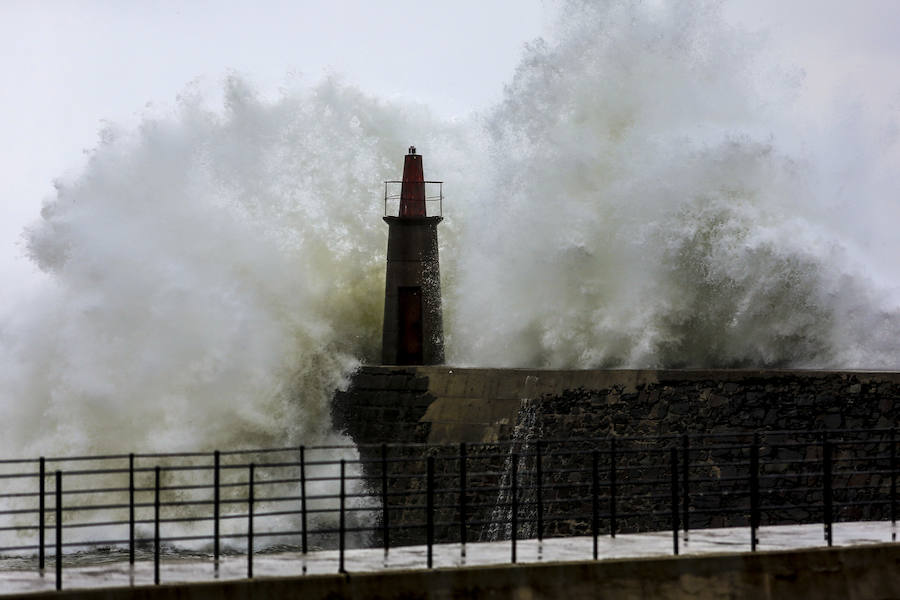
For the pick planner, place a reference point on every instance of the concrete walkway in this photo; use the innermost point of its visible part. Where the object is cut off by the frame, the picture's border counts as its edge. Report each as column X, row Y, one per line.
column 190, row 569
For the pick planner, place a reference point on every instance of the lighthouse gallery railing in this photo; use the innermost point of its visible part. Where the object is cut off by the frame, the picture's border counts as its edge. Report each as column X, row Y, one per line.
column 434, row 198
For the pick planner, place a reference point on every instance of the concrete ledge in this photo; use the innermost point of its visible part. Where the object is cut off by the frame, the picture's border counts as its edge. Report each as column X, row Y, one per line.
column 484, row 405
column 849, row 573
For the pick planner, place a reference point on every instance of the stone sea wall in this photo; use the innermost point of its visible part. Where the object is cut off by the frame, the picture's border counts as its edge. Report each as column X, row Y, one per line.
column 503, row 412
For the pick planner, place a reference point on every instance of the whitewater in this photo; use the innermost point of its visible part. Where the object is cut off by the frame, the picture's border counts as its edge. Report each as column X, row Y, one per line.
column 646, row 194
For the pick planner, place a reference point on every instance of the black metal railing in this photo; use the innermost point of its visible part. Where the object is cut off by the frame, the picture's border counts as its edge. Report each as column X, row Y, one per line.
column 388, row 495
column 434, row 198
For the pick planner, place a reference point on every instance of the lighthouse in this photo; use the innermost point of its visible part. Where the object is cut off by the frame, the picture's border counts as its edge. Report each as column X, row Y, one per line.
column 413, row 332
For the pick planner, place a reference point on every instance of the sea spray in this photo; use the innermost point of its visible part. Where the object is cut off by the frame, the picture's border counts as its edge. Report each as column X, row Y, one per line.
column 642, row 197
column 214, row 275
column 645, row 208
column 637, row 200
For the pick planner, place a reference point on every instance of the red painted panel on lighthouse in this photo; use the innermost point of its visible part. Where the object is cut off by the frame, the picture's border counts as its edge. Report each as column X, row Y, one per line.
column 412, row 190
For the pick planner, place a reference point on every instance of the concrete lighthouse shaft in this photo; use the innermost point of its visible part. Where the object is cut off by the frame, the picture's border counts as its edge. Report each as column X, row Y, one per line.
column 413, row 331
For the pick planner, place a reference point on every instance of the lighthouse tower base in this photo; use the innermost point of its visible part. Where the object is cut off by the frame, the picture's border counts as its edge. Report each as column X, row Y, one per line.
column 413, row 331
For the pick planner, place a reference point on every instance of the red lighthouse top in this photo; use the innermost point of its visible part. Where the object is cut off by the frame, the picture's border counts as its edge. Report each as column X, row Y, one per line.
column 413, row 198
column 412, row 189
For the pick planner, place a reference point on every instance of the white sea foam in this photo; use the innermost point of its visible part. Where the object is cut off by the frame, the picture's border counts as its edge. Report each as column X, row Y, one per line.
column 215, row 275
column 653, row 202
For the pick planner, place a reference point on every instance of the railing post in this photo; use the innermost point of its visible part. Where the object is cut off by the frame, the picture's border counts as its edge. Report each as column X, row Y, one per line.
column 342, row 524
column 685, row 480
column 827, row 450
column 385, row 505
column 156, row 528
column 463, row 532
column 612, row 487
column 673, row 455
column 595, row 497
column 754, row 491
column 216, row 505
column 59, row 524
column 303, row 517
column 540, row 492
column 515, row 504
column 429, row 509
column 41, row 508
column 250, row 477
column 893, row 484
column 131, row 508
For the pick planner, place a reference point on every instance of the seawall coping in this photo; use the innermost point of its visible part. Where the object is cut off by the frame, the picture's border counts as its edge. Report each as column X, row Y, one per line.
column 847, row 573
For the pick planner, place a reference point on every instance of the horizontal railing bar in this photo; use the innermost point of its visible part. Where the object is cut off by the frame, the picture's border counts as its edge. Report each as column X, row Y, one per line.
column 22, row 527
column 18, row 548
column 85, row 544
column 745, row 510
column 51, row 459
column 91, row 524
column 24, row 495
column 19, row 476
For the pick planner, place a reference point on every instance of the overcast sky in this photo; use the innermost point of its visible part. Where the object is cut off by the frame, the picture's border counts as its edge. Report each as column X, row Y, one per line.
column 68, row 66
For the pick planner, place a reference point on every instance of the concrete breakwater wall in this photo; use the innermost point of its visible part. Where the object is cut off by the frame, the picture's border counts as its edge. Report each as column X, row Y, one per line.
column 451, row 405
column 446, row 406
column 853, row 573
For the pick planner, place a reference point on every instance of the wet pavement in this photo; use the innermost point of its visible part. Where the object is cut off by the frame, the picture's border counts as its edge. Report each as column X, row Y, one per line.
column 108, row 571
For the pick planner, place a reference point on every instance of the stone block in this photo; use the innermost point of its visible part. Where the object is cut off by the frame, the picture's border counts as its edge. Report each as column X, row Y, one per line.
column 831, row 421
column 717, row 401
